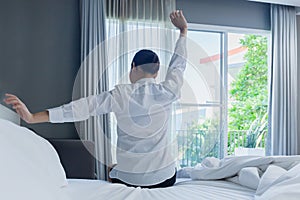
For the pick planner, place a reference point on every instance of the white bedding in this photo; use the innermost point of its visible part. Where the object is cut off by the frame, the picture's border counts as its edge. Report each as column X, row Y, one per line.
column 231, row 166
column 272, row 178
column 30, row 169
column 183, row 189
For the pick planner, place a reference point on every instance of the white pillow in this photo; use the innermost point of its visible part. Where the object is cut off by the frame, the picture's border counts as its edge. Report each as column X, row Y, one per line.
column 272, row 173
column 29, row 163
column 285, row 187
column 249, row 177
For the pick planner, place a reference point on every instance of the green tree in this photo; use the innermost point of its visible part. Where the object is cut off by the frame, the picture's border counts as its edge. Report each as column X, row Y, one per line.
column 247, row 113
column 201, row 141
column 249, row 91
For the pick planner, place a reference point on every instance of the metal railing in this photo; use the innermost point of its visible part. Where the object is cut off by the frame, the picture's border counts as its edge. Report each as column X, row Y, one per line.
column 195, row 145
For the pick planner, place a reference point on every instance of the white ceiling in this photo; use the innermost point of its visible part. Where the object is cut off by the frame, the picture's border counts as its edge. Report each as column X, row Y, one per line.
column 283, row 2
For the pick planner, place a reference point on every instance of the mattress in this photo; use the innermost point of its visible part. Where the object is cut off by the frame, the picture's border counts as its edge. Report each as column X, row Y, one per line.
column 183, row 189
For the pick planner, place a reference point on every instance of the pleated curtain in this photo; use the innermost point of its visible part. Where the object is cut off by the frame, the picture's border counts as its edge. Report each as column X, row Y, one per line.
column 283, row 82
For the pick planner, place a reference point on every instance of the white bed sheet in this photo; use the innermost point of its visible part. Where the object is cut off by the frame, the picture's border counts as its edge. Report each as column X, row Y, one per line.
column 183, row 189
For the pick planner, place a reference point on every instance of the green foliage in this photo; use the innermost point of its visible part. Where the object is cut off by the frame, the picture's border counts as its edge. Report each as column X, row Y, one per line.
column 249, row 92
column 199, row 142
column 247, row 115
column 257, row 131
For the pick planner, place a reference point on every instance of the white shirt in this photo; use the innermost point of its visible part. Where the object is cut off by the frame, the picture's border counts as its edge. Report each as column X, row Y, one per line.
column 145, row 150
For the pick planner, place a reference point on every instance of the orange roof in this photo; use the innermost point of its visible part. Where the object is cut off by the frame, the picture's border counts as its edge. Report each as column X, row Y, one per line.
column 218, row 56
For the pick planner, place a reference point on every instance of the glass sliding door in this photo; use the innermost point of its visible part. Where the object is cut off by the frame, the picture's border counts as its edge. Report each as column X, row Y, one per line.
column 224, row 103
column 199, row 114
column 247, row 93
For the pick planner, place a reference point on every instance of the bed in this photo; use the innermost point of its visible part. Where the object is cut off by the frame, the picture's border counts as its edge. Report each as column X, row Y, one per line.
column 79, row 164
column 33, row 168
column 183, row 189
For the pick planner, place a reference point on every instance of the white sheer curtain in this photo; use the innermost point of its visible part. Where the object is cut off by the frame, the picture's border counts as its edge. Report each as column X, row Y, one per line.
column 283, row 109
column 112, row 32
column 133, row 25
column 92, row 79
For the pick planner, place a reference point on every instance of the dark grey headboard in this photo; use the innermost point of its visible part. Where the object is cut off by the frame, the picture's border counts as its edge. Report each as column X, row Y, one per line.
column 75, row 157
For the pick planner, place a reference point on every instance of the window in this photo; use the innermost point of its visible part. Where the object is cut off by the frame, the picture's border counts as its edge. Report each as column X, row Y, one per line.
column 223, row 105
column 247, row 93
column 199, row 113
column 223, row 109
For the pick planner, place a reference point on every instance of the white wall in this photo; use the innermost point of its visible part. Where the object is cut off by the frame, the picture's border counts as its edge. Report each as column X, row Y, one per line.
column 40, row 56
column 235, row 13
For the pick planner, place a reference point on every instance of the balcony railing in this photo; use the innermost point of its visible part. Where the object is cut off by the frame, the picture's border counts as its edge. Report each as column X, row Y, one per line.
column 238, row 139
column 195, row 145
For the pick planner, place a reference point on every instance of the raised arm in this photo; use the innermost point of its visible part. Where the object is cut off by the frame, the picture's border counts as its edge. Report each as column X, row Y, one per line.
column 179, row 21
column 174, row 77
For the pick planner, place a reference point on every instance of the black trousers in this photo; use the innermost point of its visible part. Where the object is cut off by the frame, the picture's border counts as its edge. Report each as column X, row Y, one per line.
column 167, row 183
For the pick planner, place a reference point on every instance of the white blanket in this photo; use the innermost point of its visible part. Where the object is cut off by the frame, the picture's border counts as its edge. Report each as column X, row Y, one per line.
column 230, row 167
column 185, row 190
column 262, row 174
column 286, row 186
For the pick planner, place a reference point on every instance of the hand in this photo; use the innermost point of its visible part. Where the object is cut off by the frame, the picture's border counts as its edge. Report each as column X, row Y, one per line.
column 19, row 106
column 179, row 21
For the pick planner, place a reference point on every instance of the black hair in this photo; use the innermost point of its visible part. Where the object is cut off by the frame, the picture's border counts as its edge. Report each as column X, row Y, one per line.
column 147, row 60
